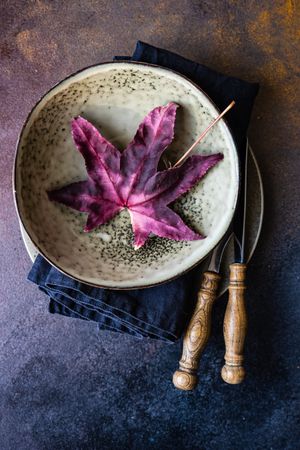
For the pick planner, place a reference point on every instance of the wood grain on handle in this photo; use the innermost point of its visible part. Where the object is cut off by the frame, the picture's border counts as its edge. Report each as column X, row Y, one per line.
column 197, row 333
column 235, row 324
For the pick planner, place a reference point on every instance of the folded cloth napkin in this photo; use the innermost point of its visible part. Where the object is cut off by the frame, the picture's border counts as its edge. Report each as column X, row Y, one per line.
column 161, row 312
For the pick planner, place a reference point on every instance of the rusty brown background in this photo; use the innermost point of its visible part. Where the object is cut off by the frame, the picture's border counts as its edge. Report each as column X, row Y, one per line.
column 62, row 385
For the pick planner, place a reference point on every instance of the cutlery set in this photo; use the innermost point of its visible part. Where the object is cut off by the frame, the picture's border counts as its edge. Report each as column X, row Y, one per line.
column 235, row 320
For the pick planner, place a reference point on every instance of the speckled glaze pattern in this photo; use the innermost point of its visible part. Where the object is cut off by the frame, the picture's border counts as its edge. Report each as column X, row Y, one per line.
column 115, row 97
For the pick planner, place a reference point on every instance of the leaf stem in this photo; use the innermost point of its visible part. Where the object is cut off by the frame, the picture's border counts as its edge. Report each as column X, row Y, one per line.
column 186, row 154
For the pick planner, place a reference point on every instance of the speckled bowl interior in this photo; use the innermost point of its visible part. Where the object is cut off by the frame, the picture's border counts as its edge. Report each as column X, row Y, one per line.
column 115, row 97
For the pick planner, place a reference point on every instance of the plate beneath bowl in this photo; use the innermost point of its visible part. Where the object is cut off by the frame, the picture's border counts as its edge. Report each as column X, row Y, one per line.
column 115, row 97
column 254, row 223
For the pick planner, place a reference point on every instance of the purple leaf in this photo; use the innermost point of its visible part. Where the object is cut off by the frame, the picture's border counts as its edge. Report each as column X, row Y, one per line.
column 130, row 180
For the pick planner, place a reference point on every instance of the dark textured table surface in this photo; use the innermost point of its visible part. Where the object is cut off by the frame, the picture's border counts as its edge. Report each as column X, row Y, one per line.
column 62, row 384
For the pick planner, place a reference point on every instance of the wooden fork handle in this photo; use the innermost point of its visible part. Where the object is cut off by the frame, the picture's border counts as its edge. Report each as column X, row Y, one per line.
column 235, row 324
column 197, row 334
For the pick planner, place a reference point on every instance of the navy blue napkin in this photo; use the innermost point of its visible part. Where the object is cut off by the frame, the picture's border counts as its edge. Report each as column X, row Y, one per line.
column 160, row 312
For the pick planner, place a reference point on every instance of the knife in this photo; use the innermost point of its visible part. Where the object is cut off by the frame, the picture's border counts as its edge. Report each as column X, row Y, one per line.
column 198, row 331
column 235, row 320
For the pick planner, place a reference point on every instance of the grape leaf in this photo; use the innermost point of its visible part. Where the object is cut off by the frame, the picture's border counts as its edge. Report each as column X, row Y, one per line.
column 131, row 179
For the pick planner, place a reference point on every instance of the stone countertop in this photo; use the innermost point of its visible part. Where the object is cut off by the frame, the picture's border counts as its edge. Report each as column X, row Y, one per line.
column 63, row 385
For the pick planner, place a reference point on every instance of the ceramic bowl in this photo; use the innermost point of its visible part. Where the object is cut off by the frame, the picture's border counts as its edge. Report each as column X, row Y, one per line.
column 115, row 97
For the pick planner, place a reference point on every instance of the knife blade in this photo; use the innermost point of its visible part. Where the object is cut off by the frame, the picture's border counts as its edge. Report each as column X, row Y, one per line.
column 239, row 221
column 235, row 320
column 198, row 331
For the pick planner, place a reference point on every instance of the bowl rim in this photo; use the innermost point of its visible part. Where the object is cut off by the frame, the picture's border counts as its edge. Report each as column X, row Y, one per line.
column 14, row 174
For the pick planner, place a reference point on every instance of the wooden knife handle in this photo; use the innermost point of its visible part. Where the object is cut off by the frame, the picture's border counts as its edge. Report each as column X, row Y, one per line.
column 235, row 324
column 197, row 334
